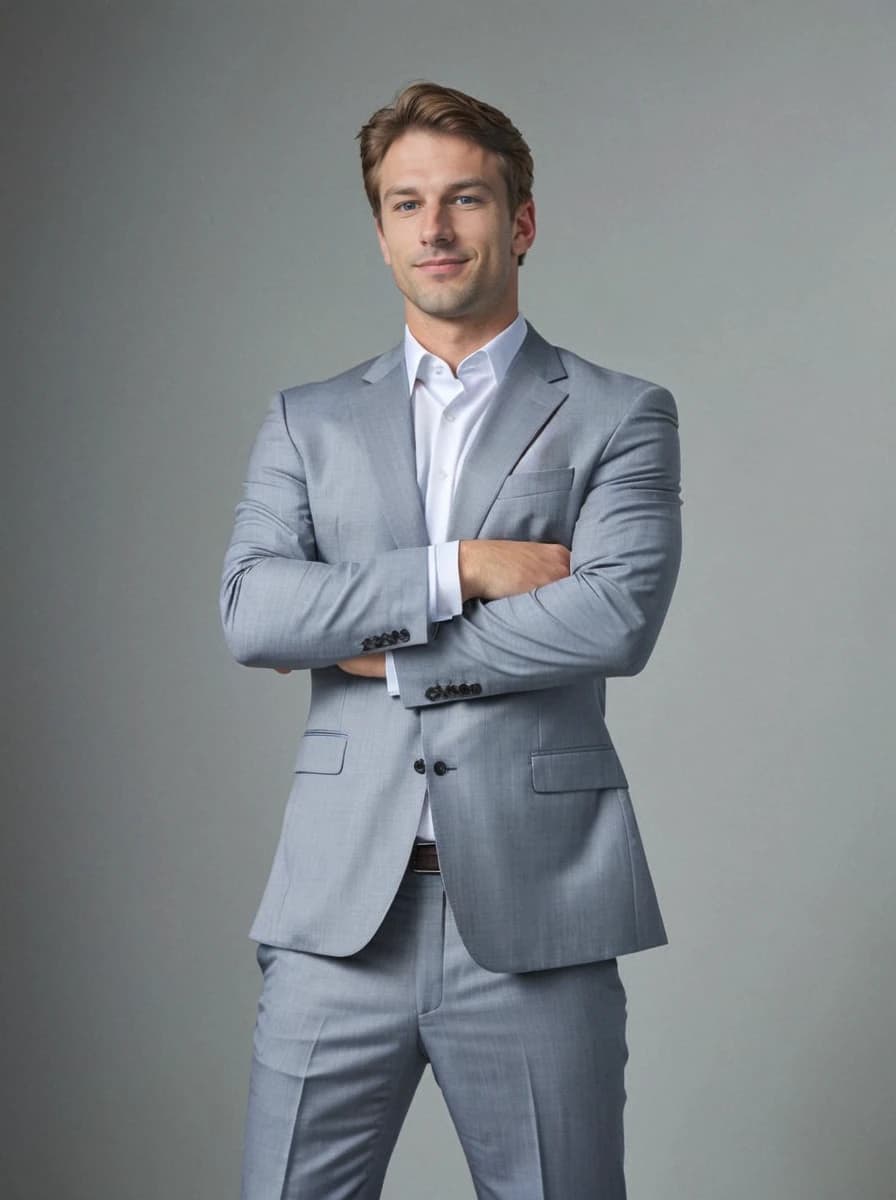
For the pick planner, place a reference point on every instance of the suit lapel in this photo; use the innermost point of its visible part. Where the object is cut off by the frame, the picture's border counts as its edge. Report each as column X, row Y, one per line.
column 524, row 402
column 385, row 421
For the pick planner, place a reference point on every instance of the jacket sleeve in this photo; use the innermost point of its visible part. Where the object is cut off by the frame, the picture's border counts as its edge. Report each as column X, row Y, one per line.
column 605, row 616
column 280, row 605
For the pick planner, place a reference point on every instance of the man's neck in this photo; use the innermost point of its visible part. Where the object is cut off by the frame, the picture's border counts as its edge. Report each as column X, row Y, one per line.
column 452, row 341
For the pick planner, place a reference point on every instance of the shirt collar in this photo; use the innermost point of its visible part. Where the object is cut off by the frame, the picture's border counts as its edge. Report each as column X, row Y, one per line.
column 500, row 351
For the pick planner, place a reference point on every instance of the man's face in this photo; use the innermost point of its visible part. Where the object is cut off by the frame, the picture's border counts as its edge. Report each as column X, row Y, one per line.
column 446, row 229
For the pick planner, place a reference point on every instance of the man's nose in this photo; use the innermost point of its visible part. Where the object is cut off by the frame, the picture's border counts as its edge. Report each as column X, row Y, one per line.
column 437, row 229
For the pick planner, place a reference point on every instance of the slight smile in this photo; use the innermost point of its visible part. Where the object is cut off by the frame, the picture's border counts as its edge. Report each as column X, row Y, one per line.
column 441, row 266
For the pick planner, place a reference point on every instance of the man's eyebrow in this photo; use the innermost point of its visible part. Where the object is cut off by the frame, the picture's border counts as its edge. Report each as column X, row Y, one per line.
column 409, row 190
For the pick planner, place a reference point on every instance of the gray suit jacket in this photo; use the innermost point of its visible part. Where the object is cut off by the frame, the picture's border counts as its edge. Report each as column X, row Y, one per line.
column 501, row 712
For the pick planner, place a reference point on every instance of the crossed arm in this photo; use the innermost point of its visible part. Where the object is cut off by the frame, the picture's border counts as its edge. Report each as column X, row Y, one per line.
column 489, row 569
column 282, row 608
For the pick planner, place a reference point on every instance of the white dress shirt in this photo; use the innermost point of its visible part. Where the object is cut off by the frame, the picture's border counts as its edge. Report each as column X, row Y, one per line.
column 448, row 410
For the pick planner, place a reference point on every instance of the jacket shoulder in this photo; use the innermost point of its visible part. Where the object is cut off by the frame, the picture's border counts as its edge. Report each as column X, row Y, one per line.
column 335, row 386
column 611, row 393
column 620, row 383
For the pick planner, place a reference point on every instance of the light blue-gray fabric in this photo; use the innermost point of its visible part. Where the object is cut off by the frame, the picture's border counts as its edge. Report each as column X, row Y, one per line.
column 540, row 851
column 531, row 1065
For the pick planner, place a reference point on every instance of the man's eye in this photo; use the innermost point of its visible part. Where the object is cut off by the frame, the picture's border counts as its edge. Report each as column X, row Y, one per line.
column 400, row 207
column 472, row 199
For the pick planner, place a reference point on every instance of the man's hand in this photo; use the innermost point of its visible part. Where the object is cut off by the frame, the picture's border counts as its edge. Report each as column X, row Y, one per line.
column 491, row 568
column 371, row 665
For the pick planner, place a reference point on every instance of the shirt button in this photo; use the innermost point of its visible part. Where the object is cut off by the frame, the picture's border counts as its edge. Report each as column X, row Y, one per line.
column 449, row 416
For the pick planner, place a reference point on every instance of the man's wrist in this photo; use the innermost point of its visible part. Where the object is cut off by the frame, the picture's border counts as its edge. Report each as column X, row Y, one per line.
column 466, row 562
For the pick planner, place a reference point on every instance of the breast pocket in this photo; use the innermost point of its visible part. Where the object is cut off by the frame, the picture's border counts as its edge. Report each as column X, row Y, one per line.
column 536, row 483
column 533, row 506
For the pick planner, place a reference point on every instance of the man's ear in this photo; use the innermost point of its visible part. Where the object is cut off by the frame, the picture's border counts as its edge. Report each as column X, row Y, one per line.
column 524, row 227
column 387, row 258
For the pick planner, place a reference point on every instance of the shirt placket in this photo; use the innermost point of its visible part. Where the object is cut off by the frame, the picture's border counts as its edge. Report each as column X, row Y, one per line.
column 447, row 445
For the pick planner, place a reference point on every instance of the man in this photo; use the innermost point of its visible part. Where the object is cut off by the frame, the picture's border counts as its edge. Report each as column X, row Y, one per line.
column 461, row 539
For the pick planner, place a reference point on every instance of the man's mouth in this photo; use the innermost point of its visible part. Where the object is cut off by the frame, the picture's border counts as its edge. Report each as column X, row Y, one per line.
column 441, row 266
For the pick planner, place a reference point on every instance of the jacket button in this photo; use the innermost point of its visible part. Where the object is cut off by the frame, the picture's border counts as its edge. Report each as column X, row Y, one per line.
column 419, row 766
column 476, row 688
column 403, row 635
column 439, row 767
column 433, row 693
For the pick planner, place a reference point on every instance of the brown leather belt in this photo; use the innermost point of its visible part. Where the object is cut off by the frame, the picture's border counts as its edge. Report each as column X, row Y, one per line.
column 424, row 859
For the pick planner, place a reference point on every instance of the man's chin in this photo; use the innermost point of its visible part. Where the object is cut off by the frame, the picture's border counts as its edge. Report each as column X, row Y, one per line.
column 445, row 306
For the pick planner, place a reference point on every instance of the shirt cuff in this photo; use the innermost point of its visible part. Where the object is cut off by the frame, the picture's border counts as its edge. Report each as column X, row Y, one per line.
column 444, row 581
column 391, row 676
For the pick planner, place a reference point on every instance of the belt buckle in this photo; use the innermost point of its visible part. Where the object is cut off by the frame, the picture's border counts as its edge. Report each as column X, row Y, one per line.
column 424, row 870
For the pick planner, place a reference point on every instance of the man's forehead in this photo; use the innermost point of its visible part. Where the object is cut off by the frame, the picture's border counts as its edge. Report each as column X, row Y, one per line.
column 431, row 156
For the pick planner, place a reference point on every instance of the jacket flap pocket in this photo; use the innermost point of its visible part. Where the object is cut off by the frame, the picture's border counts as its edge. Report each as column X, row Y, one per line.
column 578, row 769
column 529, row 483
column 322, row 751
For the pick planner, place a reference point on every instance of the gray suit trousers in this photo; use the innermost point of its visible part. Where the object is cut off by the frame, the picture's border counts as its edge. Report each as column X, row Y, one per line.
column 531, row 1064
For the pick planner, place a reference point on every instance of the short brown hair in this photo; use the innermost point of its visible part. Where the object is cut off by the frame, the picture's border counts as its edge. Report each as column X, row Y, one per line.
column 425, row 105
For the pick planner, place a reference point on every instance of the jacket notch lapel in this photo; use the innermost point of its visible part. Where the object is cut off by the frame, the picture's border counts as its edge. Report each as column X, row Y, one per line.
column 525, row 401
column 382, row 412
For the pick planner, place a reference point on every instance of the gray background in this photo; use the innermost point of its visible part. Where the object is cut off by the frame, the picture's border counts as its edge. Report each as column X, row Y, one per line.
column 186, row 233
